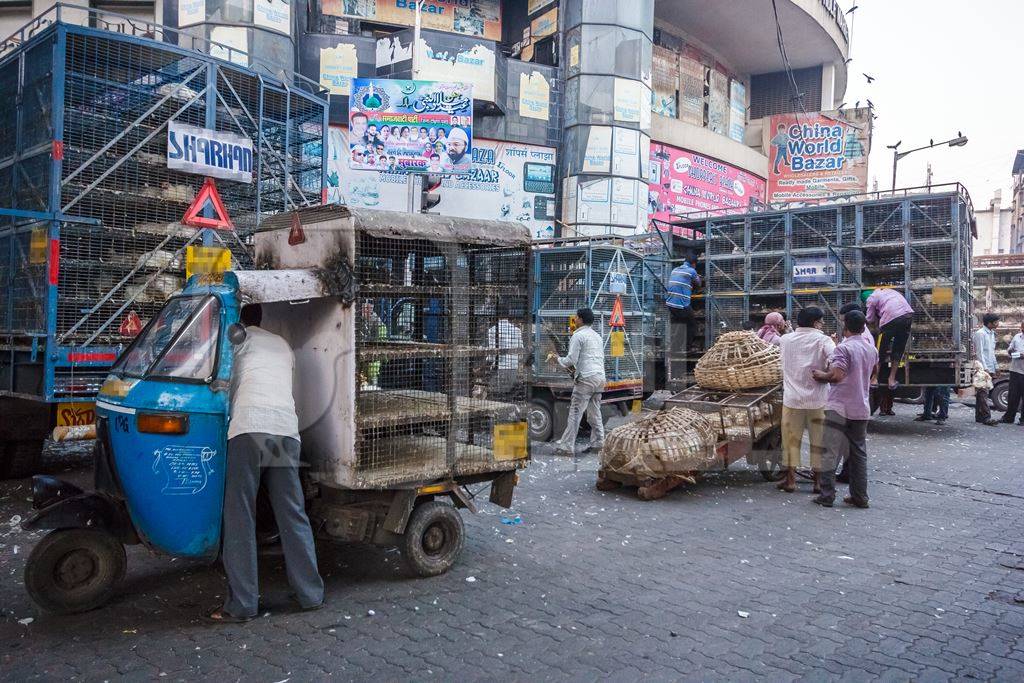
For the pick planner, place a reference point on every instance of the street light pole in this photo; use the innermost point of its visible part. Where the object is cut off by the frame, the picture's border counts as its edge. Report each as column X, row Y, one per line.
column 959, row 141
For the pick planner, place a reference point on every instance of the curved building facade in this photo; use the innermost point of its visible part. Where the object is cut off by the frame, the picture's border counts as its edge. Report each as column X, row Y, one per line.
column 590, row 116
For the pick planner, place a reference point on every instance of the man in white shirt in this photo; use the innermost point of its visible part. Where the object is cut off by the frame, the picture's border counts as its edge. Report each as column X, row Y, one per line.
column 984, row 341
column 803, row 398
column 263, row 438
column 586, row 360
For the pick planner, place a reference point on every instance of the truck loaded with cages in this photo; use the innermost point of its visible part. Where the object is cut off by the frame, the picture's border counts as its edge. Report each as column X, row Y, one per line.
column 999, row 289
column 92, row 240
column 916, row 240
column 608, row 277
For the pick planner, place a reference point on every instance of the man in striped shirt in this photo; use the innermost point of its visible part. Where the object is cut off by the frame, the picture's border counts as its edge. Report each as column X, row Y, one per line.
column 678, row 294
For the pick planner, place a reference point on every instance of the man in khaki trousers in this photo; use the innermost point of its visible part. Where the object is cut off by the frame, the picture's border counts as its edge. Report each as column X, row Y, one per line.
column 803, row 398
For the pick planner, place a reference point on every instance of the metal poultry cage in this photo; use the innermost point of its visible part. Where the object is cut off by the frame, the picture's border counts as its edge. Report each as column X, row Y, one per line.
column 999, row 289
column 443, row 336
column 917, row 240
column 90, row 212
column 597, row 274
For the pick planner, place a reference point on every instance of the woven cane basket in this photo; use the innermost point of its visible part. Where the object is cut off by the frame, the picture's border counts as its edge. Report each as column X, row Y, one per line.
column 737, row 361
column 675, row 441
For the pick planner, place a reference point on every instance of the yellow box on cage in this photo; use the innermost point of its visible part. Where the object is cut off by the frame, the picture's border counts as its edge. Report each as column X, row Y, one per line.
column 510, row 441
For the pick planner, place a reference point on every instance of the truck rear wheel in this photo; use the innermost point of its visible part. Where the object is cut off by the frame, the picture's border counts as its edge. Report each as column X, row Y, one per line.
column 433, row 538
column 21, row 458
column 1000, row 396
column 541, row 420
column 74, row 570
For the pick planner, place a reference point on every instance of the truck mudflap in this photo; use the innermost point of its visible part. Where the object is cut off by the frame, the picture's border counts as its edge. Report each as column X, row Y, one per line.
column 81, row 511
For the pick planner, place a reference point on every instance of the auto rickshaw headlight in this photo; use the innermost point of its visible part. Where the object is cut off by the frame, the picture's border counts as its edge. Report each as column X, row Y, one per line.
column 162, row 423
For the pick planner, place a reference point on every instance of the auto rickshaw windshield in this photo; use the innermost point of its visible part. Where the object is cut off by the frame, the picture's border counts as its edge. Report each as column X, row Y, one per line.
column 180, row 343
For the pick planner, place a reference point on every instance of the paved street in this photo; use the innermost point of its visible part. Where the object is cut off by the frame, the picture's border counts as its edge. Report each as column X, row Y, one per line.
column 726, row 580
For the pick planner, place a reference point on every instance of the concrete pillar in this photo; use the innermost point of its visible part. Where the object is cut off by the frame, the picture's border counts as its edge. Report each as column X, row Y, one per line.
column 607, row 123
column 828, row 87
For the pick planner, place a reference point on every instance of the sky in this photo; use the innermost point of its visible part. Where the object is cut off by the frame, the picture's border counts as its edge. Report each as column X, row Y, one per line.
column 941, row 66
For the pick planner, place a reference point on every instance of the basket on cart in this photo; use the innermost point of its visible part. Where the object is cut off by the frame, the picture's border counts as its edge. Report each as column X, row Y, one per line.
column 738, row 361
column 746, row 423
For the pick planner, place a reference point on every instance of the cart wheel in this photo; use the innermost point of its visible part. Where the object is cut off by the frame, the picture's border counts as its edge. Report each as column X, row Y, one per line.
column 433, row 538
column 606, row 484
column 541, row 420
column 74, row 570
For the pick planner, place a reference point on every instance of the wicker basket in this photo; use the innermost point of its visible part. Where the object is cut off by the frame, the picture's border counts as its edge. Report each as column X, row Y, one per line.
column 672, row 442
column 738, row 361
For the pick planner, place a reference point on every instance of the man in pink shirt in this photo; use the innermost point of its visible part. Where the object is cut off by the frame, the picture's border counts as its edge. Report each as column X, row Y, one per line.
column 847, row 412
column 889, row 310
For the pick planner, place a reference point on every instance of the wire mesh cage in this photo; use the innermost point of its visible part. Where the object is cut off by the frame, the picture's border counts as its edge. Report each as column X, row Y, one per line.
column 600, row 277
column 999, row 289
column 916, row 243
column 443, row 336
column 100, row 115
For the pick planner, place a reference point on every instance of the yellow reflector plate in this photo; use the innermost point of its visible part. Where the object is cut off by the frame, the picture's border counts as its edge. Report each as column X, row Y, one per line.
column 942, row 296
column 206, row 260
column 510, row 441
column 617, row 341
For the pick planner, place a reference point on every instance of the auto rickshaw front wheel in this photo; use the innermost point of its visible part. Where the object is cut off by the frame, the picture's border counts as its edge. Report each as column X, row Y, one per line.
column 433, row 538
column 74, row 570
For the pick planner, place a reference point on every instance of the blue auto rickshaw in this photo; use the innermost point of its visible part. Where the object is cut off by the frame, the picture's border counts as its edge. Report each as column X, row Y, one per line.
column 374, row 476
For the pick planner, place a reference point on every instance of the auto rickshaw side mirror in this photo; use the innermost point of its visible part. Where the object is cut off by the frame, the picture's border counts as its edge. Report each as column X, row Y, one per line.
column 236, row 333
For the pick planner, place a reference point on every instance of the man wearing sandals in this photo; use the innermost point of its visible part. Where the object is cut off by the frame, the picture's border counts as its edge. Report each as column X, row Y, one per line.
column 803, row 399
column 263, row 439
column 894, row 316
column 847, row 412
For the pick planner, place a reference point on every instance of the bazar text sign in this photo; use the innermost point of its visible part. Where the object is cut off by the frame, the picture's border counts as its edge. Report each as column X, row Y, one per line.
column 813, row 156
column 401, row 126
column 209, row 152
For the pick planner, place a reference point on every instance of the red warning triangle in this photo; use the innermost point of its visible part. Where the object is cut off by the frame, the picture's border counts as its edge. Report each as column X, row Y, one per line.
column 617, row 319
column 208, row 197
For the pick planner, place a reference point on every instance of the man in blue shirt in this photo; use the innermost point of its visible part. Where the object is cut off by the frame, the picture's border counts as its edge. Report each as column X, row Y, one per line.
column 678, row 291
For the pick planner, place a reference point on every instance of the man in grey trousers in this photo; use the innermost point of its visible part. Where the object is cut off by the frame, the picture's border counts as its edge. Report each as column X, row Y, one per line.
column 263, row 438
column 847, row 412
column 585, row 359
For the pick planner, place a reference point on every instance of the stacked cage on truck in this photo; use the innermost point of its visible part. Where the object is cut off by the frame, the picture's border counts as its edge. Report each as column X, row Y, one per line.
column 424, row 375
column 90, row 212
column 827, row 255
column 602, row 276
column 999, row 289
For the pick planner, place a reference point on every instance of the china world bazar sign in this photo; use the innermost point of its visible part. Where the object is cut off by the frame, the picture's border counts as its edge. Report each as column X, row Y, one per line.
column 209, row 152
column 818, row 155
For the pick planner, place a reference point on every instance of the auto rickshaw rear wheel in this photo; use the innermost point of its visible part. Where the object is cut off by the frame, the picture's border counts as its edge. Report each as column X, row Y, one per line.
column 74, row 570
column 433, row 538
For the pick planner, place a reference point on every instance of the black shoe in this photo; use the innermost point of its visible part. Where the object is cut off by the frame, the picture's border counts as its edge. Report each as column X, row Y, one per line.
column 823, row 501
column 922, row 418
column 990, row 423
column 940, row 422
column 856, row 502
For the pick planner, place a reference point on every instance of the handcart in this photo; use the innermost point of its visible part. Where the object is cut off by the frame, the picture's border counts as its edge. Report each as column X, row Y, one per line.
column 748, row 423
